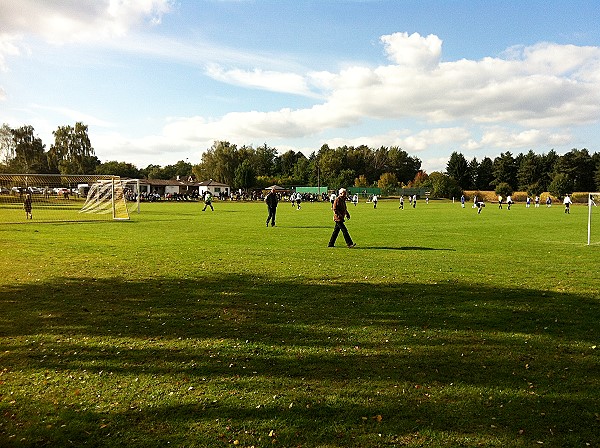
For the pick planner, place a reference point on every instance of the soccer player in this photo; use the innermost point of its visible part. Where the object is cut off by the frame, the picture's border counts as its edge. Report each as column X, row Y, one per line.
column 208, row 201
column 567, row 201
column 27, row 206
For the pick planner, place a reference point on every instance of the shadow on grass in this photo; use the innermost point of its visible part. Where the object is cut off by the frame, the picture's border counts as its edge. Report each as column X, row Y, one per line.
column 338, row 363
column 402, row 248
column 306, row 227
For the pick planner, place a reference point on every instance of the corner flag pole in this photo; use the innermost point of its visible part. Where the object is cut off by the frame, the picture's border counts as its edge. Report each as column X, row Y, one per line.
column 590, row 203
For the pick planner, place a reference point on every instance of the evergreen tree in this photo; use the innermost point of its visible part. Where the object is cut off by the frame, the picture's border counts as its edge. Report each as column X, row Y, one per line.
column 530, row 170
column 505, row 170
column 473, row 173
column 596, row 161
column 579, row 168
column 485, row 175
column 301, row 170
column 245, row 177
column 458, row 168
column 548, row 162
column 263, row 161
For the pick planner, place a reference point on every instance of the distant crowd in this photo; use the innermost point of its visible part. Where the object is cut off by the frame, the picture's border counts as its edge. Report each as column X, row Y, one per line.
column 132, row 196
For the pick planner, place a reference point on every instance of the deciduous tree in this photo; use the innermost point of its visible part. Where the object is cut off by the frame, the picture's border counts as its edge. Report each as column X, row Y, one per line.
column 30, row 156
column 560, row 186
column 122, row 169
column 7, row 145
column 72, row 151
column 388, row 183
column 504, row 189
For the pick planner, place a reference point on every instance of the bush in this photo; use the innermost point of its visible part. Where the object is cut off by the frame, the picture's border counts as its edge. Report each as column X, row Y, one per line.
column 503, row 189
column 519, row 196
column 560, row 186
column 579, row 198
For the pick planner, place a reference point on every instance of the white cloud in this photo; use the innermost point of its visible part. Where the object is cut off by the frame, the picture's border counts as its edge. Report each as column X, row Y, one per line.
column 75, row 115
column 500, row 137
column 437, row 136
column 413, row 51
column 516, row 100
column 406, row 139
column 61, row 21
column 262, row 79
column 143, row 151
column 8, row 47
column 435, row 164
column 538, row 87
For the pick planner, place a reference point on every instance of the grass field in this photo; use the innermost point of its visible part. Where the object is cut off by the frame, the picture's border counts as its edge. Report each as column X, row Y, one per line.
column 442, row 328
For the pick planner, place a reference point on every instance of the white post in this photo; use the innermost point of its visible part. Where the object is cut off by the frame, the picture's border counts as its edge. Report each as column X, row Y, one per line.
column 112, row 186
column 589, row 218
column 138, row 195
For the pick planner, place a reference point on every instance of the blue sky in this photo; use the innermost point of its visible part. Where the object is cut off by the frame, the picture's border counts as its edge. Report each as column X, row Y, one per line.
column 158, row 81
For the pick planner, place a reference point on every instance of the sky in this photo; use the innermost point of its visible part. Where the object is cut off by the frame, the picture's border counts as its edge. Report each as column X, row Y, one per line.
column 159, row 81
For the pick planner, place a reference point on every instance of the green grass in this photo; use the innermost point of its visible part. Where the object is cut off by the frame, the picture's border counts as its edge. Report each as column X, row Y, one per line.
column 442, row 328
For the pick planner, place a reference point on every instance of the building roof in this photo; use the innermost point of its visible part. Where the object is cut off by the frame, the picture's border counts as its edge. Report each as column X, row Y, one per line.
column 182, row 183
column 211, row 183
column 164, row 182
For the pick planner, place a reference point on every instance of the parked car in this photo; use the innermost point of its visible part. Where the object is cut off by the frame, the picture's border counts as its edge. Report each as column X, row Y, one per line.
column 4, row 190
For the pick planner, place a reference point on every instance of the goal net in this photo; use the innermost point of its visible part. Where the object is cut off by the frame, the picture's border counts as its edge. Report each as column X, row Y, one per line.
column 64, row 198
column 593, row 202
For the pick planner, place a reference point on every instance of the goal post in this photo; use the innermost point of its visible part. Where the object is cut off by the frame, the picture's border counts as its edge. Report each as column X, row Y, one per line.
column 593, row 200
column 64, row 198
column 107, row 196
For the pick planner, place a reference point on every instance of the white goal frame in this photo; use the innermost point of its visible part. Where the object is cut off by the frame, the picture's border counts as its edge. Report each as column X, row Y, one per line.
column 66, row 198
column 591, row 203
column 114, row 189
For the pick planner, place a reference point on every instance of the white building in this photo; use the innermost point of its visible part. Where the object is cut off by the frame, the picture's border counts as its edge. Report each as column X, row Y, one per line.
column 216, row 188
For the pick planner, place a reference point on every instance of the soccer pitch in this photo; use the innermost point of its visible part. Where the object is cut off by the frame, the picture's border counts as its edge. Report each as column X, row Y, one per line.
column 442, row 328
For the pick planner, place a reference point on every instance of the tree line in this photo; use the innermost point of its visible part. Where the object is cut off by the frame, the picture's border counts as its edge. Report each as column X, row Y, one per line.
column 247, row 167
column 391, row 168
column 577, row 170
